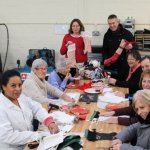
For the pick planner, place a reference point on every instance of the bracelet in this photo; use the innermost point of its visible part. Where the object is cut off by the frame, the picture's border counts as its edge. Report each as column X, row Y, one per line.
column 48, row 121
column 121, row 47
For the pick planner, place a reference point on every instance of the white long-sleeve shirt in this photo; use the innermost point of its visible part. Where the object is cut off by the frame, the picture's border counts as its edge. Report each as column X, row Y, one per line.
column 16, row 122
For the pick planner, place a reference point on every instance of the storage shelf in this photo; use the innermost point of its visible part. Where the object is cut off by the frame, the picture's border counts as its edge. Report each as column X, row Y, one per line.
column 143, row 41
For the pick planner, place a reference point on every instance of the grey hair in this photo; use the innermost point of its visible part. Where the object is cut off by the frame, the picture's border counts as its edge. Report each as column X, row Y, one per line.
column 38, row 63
column 143, row 95
column 63, row 63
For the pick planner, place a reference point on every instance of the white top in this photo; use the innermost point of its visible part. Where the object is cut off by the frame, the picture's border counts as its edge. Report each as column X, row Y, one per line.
column 16, row 122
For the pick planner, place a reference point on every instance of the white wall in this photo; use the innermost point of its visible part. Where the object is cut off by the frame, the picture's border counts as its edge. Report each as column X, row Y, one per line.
column 31, row 22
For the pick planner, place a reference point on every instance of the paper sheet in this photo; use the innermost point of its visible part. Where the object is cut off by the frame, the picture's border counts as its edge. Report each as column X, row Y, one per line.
column 103, row 118
column 101, row 104
column 50, row 141
column 107, row 90
column 71, row 47
column 62, row 117
column 74, row 95
column 111, row 98
column 65, row 128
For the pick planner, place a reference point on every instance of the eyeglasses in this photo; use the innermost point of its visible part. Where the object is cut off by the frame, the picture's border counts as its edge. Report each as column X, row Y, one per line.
column 42, row 68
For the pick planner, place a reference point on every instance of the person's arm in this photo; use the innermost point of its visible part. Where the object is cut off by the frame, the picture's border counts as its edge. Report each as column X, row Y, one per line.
column 56, row 92
column 132, row 83
column 41, row 114
column 9, row 135
column 116, row 55
column 53, row 91
column 65, row 80
column 55, row 81
column 127, row 121
column 125, row 146
column 38, row 111
column 129, row 38
column 64, row 46
column 129, row 133
column 121, row 120
column 129, row 111
column 30, row 89
column 114, row 58
column 124, row 111
column 61, row 86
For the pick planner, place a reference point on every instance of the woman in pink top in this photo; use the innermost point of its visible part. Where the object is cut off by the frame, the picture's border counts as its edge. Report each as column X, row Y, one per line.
column 73, row 44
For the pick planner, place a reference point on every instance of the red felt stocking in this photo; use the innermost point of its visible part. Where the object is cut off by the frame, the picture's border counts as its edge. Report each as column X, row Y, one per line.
column 111, row 60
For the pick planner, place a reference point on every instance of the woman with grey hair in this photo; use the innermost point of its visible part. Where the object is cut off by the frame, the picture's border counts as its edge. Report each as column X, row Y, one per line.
column 38, row 88
column 59, row 78
column 139, row 132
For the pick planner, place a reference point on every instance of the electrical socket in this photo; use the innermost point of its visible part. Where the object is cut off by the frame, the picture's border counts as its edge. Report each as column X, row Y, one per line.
column 95, row 33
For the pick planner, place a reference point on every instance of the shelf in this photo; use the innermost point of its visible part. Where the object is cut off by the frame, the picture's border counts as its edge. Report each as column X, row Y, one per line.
column 143, row 41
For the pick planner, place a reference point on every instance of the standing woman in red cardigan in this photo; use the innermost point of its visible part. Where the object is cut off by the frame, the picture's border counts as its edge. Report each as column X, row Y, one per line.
column 73, row 45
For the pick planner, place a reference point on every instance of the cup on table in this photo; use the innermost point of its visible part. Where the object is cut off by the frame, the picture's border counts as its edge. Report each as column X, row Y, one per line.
column 77, row 81
column 73, row 71
column 105, row 81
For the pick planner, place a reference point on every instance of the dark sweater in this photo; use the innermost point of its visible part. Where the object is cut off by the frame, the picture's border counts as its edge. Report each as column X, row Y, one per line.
column 111, row 43
column 132, row 83
column 126, row 111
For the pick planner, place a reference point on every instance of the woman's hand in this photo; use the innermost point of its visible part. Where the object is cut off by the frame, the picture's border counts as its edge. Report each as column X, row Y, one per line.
column 68, row 75
column 116, row 144
column 116, row 141
column 113, row 120
column 107, row 114
column 69, row 43
column 53, row 128
column 112, row 81
column 67, row 98
column 122, row 44
column 128, row 46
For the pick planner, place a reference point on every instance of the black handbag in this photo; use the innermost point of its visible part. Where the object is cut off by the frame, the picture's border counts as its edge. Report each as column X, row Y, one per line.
column 46, row 54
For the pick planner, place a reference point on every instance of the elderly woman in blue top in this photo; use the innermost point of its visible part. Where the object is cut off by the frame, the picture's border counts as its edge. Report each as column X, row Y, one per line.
column 139, row 132
column 60, row 78
column 16, row 114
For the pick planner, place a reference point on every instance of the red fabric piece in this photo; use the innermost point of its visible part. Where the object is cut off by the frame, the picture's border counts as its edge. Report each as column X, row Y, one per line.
column 127, row 42
column 72, row 86
column 113, row 107
column 111, row 60
column 79, row 110
column 115, row 57
column 85, row 86
column 82, row 117
column 48, row 121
